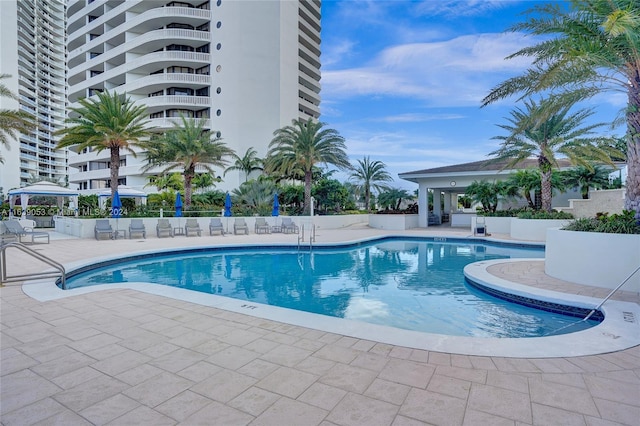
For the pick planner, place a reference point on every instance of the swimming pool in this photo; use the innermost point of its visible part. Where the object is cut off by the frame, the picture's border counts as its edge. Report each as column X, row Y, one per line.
column 407, row 283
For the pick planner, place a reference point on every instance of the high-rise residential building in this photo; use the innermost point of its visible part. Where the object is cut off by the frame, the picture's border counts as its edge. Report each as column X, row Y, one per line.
column 32, row 52
column 247, row 67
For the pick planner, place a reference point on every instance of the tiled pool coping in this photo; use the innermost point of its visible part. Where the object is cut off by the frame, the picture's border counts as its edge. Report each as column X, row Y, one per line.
column 615, row 333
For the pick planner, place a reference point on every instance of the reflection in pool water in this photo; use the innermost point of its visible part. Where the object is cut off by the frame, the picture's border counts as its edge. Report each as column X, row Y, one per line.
column 405, row 283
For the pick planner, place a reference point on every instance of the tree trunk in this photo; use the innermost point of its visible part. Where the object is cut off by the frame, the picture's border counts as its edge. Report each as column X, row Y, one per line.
column 632, row 198
column 307, row 192
column 545, row 183
column 188, row 178
column 367, row 199
column 115, row 168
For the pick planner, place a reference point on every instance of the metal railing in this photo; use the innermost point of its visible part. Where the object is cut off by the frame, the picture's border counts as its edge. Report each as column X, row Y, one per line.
column 611, row 294
column 312, row 236
column 5, row 278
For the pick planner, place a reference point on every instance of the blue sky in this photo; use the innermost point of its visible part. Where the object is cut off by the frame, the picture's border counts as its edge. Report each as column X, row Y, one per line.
column 402, row 80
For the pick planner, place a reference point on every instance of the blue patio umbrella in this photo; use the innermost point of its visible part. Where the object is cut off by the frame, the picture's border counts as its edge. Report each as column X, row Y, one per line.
column 227, row 205
column 178, row 205
column 276, row 205
column 116, row 206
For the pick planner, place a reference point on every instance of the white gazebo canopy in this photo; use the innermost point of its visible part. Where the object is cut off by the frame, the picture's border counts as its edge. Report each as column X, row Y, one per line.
column 124, row 192
column 44, row 189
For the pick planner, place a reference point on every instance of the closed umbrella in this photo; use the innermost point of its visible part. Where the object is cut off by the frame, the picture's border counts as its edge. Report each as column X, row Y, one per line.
column 227, row 208
column 276, row 205
column 116, row 209
column 178, row 205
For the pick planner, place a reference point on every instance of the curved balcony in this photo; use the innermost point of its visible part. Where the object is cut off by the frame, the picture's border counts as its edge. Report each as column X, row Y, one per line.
column 148, row 20
column 168, row 123
column 149, row 62
column 154, row 39
column 176, row 101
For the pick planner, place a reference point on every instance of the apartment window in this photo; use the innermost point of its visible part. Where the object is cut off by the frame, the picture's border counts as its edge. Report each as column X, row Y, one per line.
column 93, row 36
column 219, row 112
column 92, row 18
column 219, row 90
column 178, row 70
column 94, row 73
column 160, row 71
column 157, row 115
column 203, row 27
column 94, row 91
column 204, row 5
column 218, row 24
column 180, row 26
column 178, row 4
column 218, row 134
column 179, row 112
column 158, row 93
column 202, row 92
column 180, row 47
column 203, row 113
column 218, row 68
column 204, row 70
column 218, row 46
column 203, row 49
column 219, row 2
column 180, row 91
column 94, row 54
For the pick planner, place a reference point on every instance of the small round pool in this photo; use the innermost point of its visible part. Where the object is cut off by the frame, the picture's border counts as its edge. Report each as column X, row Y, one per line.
column 409, row 283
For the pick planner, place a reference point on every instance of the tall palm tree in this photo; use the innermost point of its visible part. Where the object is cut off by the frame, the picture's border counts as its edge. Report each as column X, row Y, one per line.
column 12, row 121
column 303, row 145
column 525, row 181
column 392, row 198
column 247, row 164
column 109, row 121
column 584, row 178
column 589, row 48
column 370, row 174
column 186, row 147
column 543, row 130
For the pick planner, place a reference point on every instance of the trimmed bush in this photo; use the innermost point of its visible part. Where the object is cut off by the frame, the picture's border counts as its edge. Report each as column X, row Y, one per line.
column 624, row 223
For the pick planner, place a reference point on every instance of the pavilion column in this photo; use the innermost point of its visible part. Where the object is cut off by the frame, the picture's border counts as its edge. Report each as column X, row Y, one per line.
column 437, row 200
column 447, row 202
column 423, row 206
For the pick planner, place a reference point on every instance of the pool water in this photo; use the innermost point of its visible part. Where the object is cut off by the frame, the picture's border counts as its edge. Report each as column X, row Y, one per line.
column 405, row 283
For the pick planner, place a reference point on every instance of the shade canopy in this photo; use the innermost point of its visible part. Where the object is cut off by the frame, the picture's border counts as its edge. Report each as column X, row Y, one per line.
column 124, row 192
column 43, row 189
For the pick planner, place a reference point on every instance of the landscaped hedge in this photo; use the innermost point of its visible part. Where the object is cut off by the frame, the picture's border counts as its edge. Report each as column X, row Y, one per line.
column 624, row 223
column 526, row 213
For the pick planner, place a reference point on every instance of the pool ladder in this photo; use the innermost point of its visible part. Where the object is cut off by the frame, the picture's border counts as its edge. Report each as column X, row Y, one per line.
column 312, row 237
column 5, row 278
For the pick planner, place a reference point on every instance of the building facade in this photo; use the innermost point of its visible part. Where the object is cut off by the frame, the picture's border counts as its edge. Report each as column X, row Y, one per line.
column 246, row 67
column 32, row 52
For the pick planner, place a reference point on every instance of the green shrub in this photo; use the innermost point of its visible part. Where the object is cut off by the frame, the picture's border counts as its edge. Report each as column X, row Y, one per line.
column 624, row 223
column 544, row 215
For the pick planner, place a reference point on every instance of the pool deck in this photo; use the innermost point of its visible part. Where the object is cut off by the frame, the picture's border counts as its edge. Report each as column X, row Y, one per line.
column 128, row 357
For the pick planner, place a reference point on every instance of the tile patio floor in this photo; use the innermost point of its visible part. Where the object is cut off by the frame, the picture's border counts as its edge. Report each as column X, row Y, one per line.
column 123, row 357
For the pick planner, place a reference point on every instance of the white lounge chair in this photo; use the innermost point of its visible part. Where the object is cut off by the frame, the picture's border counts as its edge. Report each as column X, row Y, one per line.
column 163, row 228
column 215, row 226
column 137, row 227
column 103, row 227
column 192, row 226
column 261, row 226
column 288, row 226
column 13, row 227
column 240, row 226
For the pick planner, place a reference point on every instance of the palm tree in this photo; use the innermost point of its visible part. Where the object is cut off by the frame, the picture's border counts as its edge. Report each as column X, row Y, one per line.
column 525, row 181
column 187, row 146
column 303, row 145
column 109, row 121
column 12, row 121
column 589, row 48
column 247, row 164
column 255, row 196
column 544, row 129
column 392, row 198
column 582, row 177
column 370, row 174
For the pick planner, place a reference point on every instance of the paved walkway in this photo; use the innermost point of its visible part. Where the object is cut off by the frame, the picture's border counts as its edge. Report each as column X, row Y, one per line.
column 122, row 357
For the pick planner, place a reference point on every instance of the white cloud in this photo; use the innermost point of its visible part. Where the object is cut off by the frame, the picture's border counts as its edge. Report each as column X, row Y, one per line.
column 459, row 7
column 456, row 72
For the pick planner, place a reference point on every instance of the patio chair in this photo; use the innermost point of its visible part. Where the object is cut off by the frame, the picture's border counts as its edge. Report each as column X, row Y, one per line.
column 240, row 226
column 480, row 229
column 103, row 227
column 261, row 226
column 137, row 227
column 192, row 226
column 216, row 226
column 288, row 226
column 163, row 228
column 13, row 227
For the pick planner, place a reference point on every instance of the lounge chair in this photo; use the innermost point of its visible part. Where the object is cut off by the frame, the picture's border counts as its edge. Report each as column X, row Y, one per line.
column 103, row 227
column 261, row 226
column 240, row 226
column 192, row 226
column 163, row 228
column 288, row 226
column 137, row 227
column 216, row 226
column 14, row 228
